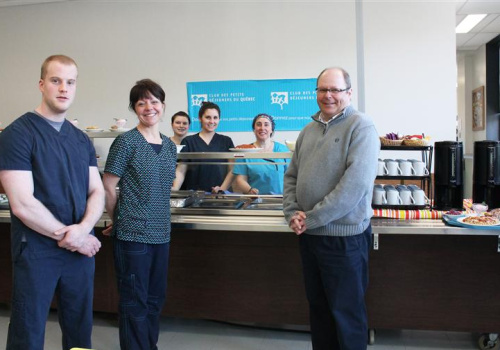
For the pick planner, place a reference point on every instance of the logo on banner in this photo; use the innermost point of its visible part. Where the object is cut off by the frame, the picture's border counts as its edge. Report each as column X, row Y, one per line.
column 279, row 98
column 197, row 100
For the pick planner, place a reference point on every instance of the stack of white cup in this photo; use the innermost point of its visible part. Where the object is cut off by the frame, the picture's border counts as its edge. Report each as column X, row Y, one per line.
column 402, row 167
column 399, row 195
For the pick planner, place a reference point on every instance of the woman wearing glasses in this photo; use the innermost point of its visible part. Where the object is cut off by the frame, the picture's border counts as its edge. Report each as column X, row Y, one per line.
column 262, row 178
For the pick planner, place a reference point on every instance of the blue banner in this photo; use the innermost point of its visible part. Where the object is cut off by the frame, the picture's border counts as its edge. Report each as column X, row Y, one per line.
column 291, row 102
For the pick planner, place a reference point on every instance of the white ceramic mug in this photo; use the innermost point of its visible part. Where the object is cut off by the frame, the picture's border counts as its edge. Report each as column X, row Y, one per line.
column 393, row 168
column 419, row 167
column 393, row 197
column 419, row 197
column 120, row 122
column 413, row 187
column 406, row 196
column 379, row 196
column 382, row 169
column 406, row 167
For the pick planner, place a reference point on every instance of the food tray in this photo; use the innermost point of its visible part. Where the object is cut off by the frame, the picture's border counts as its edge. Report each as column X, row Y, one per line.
column 387, row 142
column 415, row 143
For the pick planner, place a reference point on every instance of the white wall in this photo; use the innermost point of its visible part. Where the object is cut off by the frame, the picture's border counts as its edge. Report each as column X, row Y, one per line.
column 410, row 68
column 407, row 71
column 471, row 75
column 475, row 76
column 116, row 44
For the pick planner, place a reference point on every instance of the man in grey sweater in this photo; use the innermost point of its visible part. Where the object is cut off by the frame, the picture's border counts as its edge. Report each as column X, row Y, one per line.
column 327, row 201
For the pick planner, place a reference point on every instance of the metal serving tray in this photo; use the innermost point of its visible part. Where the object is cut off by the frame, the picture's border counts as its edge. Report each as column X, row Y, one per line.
column 264, row 206
column 183, row 198
column 4, row 202
column 269, row 200
column 219, row 203
column 181, row 202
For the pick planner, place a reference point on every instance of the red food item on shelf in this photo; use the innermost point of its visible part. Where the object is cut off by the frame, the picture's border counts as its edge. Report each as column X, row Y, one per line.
column 246, row 146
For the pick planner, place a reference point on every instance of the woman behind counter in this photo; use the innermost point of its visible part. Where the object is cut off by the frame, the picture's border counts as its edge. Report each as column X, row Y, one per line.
column 209, row 178
column 180, row 126
column 262, row 178
column 142, row 163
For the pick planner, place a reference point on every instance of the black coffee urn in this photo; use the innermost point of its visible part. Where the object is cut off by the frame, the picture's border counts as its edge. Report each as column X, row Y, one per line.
column 448, row 175
column 486, row 177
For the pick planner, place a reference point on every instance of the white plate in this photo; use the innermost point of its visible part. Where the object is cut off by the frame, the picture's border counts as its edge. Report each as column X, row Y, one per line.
column 456, row 216
column 245, row 149
column 466, row 223
column 119, row 129
column 93, row 130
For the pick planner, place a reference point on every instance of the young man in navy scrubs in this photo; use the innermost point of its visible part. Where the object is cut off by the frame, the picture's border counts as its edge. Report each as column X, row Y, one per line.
column 49, row 172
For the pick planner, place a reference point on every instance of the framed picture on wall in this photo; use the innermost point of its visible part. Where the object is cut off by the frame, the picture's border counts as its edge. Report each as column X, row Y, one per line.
column 478, row 109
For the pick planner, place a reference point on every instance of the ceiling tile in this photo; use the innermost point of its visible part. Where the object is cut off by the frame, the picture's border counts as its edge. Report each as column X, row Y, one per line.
column 481, row 38
column 483, row 6
column 493, row 26
column 469, row 48
column 462, row 39
column 459, row 4
column 481, row 25
column 459, row 18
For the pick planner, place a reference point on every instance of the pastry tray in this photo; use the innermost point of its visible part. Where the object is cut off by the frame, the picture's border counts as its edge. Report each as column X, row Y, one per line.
column 454, row 222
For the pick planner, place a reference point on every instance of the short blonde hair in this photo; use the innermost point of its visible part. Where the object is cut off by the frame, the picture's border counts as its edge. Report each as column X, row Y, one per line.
column 58, row 58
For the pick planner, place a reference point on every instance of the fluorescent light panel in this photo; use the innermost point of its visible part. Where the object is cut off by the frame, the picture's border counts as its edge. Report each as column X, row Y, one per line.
column 468, row 23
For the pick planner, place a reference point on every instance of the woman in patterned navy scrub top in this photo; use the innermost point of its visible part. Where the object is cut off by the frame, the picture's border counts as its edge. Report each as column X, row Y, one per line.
column 141, row 162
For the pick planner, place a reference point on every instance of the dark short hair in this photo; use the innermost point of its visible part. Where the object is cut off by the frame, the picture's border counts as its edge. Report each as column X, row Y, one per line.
column 268, row 117
column 347, row 78
column 143, row 89
column 63, row 59
column 181, row 114
column 205, row 106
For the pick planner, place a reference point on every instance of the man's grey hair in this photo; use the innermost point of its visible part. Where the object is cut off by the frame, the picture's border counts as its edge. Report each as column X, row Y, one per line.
column 347, row 78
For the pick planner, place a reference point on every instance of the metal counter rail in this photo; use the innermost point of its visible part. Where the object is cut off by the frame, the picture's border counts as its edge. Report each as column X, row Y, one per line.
column 231, row 223
column 103, row 221
column 264, row 221
column 424, row 227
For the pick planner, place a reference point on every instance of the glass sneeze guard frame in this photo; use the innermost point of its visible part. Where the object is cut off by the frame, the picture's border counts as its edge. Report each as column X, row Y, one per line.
column 231, row 156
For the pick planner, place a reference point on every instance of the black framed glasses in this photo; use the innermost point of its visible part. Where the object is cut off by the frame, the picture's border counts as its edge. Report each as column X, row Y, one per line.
column 323, row 91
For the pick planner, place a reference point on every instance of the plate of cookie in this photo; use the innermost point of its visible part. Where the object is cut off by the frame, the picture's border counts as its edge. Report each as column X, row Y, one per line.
column 93, row 128
column 479, row 221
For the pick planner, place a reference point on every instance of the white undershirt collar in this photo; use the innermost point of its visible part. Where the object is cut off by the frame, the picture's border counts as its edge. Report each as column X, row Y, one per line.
column 320, row 117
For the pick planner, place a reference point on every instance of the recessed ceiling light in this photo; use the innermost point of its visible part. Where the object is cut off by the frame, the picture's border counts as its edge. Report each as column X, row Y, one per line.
column 468, row 23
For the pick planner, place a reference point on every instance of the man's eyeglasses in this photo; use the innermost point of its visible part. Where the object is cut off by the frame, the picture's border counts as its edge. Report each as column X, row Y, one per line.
column 332, row 91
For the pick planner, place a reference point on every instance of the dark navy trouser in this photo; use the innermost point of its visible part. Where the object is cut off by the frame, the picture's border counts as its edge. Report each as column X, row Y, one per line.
column 35, row 280
column 336, row 277
column 141, row 272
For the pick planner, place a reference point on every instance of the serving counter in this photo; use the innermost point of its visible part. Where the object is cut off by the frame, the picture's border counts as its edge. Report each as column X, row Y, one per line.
column 244, row 267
